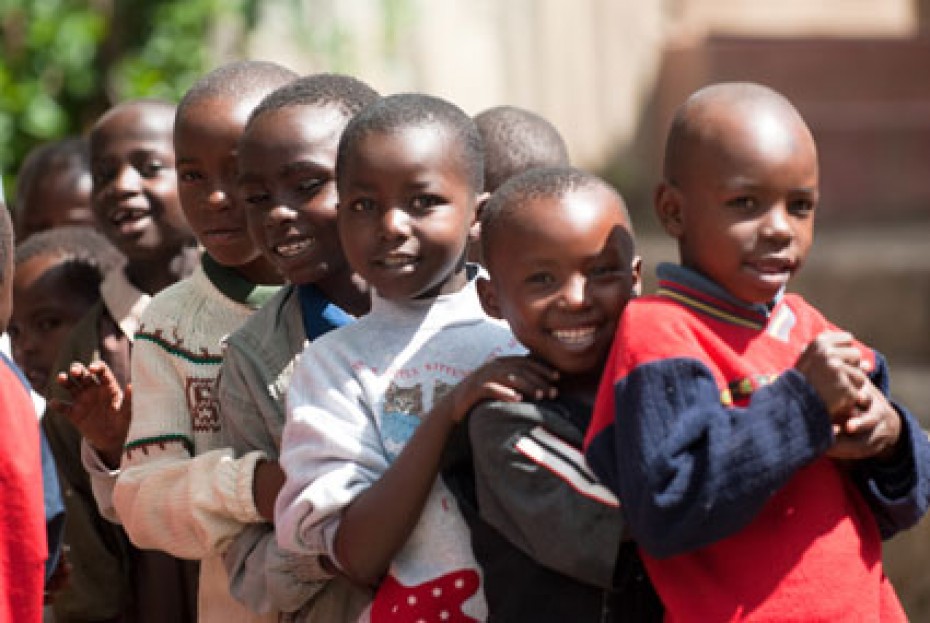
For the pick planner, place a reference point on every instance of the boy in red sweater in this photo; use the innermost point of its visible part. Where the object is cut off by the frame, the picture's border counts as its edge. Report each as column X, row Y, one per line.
column 757, row 456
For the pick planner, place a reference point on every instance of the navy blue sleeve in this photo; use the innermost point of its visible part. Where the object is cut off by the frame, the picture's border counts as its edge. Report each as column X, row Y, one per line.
column 897, row 491
column 692, row 471
column 54, row 507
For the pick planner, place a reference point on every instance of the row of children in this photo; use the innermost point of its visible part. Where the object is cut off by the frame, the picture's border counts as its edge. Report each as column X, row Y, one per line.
column 423, row 460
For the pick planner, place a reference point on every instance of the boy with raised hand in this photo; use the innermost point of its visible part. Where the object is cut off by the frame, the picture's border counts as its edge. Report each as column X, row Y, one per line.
column 372, row 404
column 134, row 197
column 757, row 457
column 558, row 247
column 287, row 179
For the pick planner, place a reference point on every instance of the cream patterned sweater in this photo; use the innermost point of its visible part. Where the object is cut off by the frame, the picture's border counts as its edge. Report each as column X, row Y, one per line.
column 178, row 489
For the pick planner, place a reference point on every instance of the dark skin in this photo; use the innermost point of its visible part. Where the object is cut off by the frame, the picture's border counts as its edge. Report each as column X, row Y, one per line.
column 287, row 180
column 406, row 213
column 205, row 139
column 135, row 200
column 739, row 196
column 562, row 269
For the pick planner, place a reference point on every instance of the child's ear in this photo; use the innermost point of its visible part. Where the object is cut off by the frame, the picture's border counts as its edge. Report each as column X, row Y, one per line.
column 637, row 275
column 669, row 206
column 488, row 298
column 474, row 232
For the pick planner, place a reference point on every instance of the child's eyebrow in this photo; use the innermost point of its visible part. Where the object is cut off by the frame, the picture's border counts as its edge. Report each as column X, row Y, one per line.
column 307, row 164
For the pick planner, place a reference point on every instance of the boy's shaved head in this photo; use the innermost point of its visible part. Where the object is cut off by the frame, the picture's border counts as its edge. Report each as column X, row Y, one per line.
column 707, row 119
column 509, row 202
column 414, row 110
column 516, row 140
column 155, row 109
column 241, row 79
column 346, row 93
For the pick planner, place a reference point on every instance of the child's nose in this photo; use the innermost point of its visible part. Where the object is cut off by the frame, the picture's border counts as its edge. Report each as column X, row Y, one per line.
column 395, row 222
column 574, row 292
column 777, row 223
column 219, row 197
column 127, row 179
column 280, row 213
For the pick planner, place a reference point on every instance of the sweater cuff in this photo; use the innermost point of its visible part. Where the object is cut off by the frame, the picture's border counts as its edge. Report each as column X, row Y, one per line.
column 239, row 487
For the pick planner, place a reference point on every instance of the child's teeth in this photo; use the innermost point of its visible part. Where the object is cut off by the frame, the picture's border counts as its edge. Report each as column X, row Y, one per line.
column 293, row 248
column 574, row 336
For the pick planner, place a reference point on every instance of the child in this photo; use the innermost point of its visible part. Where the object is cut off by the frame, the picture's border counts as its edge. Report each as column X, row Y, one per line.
column 751, row 444
column 558, row 247
column 287, row 162
column 135, row 200
column 57, row 280
column 177, row 486
column 53, row 188
column 23, row 541
column 517, row 140
column 372, row 404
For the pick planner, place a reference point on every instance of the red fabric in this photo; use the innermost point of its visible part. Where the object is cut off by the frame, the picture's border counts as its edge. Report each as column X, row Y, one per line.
column 814, row 552
column 22, row 521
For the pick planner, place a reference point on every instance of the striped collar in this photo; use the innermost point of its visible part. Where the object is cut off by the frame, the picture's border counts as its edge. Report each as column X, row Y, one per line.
column 697, row 292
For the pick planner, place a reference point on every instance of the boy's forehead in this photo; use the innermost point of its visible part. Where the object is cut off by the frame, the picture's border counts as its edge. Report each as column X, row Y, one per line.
column 736, row 135
column 137, row 124
column 423, row 147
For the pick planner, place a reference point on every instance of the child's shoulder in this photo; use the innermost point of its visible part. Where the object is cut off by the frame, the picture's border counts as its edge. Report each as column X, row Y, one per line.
column 170, row 303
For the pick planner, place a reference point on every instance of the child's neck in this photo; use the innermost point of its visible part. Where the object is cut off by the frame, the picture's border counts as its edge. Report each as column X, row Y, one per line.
column 348, row 291
column 153, row 275
column 260, row 272
column 579, row 387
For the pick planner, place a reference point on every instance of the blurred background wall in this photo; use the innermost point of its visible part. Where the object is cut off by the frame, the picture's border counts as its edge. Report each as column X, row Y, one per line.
column 608, row 74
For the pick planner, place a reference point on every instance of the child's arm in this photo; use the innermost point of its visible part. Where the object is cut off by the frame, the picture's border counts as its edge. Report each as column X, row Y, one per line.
column 690, row 470
column 98, row 408
column 261, row 575
column 535, row 489
column 377, row 523
column 167, row 498
column 893, row 470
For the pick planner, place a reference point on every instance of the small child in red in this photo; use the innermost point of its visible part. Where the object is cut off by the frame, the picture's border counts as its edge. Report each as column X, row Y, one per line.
column 752, row 445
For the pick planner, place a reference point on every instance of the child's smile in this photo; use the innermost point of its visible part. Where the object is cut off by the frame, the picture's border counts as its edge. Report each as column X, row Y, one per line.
column 406, row 209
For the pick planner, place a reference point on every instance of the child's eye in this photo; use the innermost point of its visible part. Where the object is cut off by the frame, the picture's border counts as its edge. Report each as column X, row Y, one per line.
column 190, row 176
column 48, row 324
column 362, row 205
column 425, row 202
column 310, row 186
column 256, row 198
column 802, row 207
column 151, row 168
column 746, row 203
column 540, row 278
column 606, row 270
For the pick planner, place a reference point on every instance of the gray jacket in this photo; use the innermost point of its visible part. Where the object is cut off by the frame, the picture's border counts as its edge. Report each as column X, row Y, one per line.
column 252, row 387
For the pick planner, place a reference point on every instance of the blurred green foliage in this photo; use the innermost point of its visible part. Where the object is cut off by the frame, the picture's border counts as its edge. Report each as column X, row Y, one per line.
column 63, row 62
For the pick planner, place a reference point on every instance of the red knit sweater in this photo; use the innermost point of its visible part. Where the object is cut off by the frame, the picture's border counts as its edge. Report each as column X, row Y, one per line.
column 22, row 521
column 812, row 550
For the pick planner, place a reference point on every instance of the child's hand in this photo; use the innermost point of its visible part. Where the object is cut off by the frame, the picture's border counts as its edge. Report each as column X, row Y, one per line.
column 506, row 378
column 99, row 409
column 266, row 484
column 872, row 431
column 831, row 363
